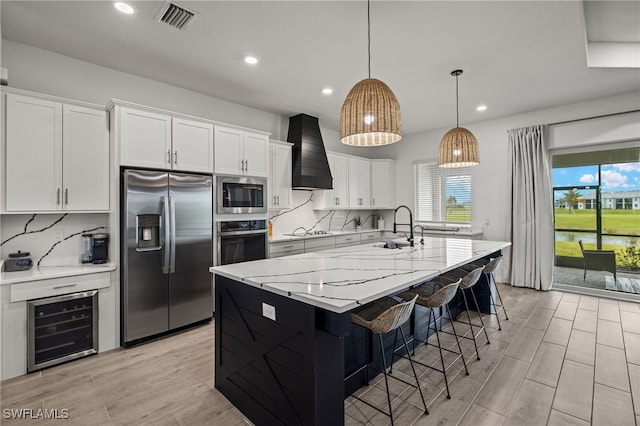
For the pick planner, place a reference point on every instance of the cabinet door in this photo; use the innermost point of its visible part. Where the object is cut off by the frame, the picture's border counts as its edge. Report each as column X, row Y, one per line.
column 282, row 176
column 273, row 176
column 359, row 182
column 33, row 154
column 85, row 159
column 192, row 146
column 145, row 139
column 340, row 174
column 255, row 154
column 383, row 173
column 228, row 151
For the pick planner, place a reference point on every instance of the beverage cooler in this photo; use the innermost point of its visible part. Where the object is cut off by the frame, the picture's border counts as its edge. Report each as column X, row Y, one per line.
column 62, row 328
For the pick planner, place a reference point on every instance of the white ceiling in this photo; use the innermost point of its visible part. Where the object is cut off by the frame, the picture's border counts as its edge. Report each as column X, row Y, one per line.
column 517, row 56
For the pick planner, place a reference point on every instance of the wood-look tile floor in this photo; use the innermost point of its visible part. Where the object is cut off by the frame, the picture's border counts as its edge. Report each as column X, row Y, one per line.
column 561, row 359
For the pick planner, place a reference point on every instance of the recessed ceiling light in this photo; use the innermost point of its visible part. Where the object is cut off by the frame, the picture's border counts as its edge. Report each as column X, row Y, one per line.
column 252, row 60
column 481, row 108
column 327, row 91
column 124, row 7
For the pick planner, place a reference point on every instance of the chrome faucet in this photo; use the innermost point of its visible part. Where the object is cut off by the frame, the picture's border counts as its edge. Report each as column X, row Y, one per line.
column 395, row 224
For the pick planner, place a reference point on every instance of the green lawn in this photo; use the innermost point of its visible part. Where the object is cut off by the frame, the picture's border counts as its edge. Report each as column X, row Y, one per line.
column 459, row 214
column 613, row 221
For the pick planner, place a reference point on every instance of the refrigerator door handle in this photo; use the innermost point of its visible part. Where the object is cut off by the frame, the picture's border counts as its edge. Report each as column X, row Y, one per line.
column 167, row 235
column 172, row 262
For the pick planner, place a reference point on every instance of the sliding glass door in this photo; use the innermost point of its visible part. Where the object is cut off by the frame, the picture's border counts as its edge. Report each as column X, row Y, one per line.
column 597, row 201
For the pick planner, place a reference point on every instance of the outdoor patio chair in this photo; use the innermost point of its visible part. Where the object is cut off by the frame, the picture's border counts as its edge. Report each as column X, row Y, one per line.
column 598, row 260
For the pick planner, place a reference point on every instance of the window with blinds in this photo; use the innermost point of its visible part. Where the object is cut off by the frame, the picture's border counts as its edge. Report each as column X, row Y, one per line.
column 442, row 194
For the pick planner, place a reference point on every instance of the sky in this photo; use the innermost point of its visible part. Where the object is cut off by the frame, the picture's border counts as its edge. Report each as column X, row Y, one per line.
column 615, row 177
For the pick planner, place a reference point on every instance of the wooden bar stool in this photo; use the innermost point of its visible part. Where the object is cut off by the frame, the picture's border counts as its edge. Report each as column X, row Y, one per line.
column 439, row 299
column 380, row 317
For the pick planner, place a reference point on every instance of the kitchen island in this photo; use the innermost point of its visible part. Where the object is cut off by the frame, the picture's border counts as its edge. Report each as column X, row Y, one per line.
column 283, row 326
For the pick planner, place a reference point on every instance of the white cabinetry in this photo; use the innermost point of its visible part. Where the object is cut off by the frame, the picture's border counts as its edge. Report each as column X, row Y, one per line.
column 338, row 197
column 383, row 184
column 359, row 183
column 57, row 156
column 160, row 141
column 192, row 143
column 280, row 175
column 238, row 152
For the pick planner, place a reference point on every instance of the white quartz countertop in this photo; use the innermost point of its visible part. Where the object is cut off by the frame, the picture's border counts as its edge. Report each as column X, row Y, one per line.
column 342, row 279
column 49, row 272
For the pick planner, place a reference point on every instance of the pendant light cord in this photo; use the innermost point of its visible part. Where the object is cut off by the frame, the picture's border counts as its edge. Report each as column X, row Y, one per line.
column 457, row 113
column 369, row 34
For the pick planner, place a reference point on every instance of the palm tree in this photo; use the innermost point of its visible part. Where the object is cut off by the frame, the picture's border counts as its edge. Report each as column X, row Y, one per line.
column 451, row 199
column 571, row 197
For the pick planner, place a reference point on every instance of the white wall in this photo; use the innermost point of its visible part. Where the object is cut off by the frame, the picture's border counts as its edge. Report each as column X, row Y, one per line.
column 489, row 179
column 43, row 71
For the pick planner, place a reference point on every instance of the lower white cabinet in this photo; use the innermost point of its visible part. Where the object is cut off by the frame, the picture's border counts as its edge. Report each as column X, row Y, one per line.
column 14, row 333
column 286, row 248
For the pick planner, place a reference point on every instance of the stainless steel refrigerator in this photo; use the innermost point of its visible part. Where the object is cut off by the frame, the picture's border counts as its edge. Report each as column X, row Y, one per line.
column 166, row 252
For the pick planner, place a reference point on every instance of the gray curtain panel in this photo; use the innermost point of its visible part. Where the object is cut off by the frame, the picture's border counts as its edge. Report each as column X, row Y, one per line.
column 532, row 250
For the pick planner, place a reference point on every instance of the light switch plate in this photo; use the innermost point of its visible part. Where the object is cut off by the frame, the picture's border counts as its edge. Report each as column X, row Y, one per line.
column 269, row 311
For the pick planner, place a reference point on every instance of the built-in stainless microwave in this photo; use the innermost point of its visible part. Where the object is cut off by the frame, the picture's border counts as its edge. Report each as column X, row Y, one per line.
column 237, row 194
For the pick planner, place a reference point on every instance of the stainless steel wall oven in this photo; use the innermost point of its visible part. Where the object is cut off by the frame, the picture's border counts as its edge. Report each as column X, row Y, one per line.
column 241, row 241
column 62, row 328
column 237, row 194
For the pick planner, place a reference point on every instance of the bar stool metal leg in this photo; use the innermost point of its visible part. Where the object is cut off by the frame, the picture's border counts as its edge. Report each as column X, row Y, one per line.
column 473, row 333
column 384, row 371
column 415, row 375
column 480, row 315
column 457, row 340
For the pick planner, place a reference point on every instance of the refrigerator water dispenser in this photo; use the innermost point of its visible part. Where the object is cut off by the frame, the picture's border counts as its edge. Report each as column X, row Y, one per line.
column 148, row 232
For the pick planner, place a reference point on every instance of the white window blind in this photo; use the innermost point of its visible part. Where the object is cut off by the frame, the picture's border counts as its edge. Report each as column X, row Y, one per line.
column 442, row 194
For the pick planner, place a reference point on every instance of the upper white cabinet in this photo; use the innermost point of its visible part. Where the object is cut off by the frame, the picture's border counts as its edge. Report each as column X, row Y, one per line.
column 160, row 141
column 383, row 184
column 57, row 156
column 238, row 152
column 359, row 183
column 338, row 197
column 280, row 175
column 145, row 138
column 192, row 143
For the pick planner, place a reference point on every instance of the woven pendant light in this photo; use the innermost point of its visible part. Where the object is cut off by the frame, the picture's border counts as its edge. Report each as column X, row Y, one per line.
column 458, row 148
column 370, row 114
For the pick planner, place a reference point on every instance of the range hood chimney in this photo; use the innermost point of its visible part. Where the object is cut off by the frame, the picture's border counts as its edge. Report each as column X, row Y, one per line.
column 310, row 168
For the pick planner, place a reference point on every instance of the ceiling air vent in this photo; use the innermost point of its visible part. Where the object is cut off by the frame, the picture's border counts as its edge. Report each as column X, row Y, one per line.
column 176, row 16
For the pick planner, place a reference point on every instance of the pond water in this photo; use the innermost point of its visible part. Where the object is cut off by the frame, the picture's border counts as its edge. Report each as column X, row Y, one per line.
column 591, row 238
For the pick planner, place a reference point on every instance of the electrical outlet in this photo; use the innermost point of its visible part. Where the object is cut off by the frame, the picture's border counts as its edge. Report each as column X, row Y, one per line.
column 269, row 311
column 59, row 235
column 487, row 222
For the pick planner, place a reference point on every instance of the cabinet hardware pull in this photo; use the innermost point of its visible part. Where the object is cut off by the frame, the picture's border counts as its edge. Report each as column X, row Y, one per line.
column 349, row 239
column 246, row 165
column 175, row 157
column 56, row 287
column 278, row 197
column 242, row 165
column 287, row 247
column 373, row 201
column 57, row 196
column 169, row 156
column 66, row 196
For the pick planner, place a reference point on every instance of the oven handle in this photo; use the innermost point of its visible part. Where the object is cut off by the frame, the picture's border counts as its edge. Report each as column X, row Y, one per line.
column 232, row 233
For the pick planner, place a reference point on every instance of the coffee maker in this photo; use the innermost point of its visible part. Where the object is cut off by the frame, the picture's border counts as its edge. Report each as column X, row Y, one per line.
column 95, row 248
